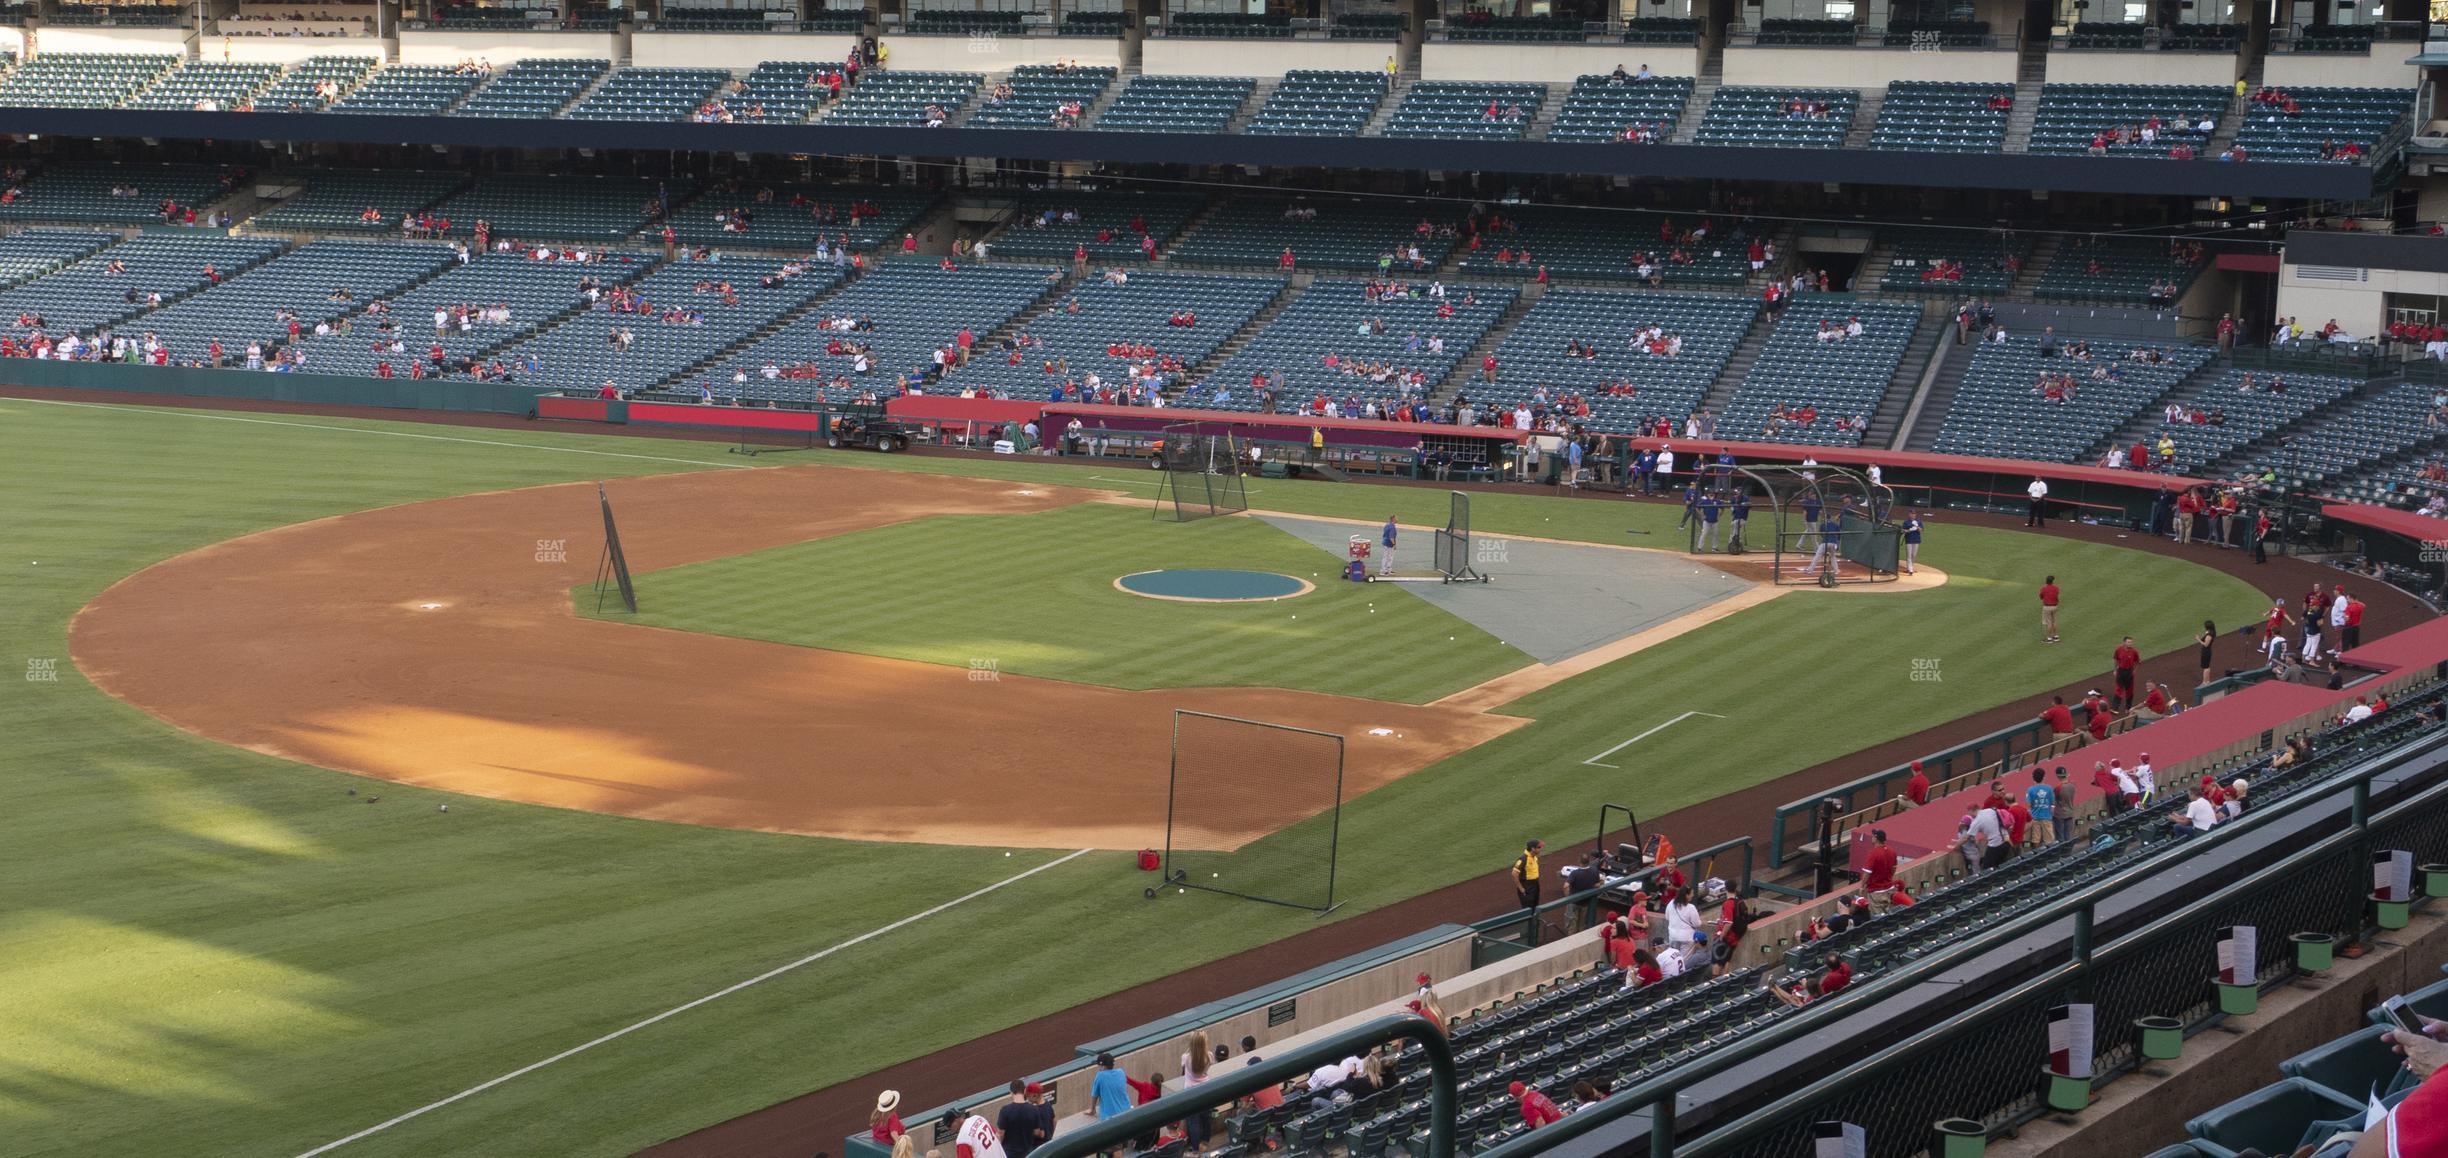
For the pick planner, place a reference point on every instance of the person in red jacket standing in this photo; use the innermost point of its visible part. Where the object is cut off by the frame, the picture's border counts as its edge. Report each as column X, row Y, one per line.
column 1917, row 788
column 2127, row 659
column 2048, row 610
column 2060, row 719
column 1878, row 871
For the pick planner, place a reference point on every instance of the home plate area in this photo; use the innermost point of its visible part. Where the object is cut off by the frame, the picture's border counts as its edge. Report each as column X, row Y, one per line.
column 1551, row 600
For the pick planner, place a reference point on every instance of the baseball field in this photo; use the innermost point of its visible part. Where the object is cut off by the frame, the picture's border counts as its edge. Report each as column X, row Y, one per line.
column 341, row 819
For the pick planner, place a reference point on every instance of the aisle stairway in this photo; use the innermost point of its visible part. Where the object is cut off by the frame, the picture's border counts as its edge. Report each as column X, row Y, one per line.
column 1906, row 381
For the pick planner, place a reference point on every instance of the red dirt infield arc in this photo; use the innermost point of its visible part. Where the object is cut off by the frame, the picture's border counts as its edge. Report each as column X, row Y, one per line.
column 434, row 644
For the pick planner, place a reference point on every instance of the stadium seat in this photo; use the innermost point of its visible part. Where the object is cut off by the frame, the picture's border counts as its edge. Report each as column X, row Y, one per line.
column 1841, row 379
column 902, row 99
column 2070, row 115
column 910, row 309
column 82, row 80
column 1534, row 356
column 1984, row 260
column 650, row 94
column 2241, row 418
column 1329, row 318
column 30, row 253
column 298, row 90
column 1601, row 108
column 1472, row 110
column 313, row 283
column 1316, row 103
column 2271, row 1119
column 2350, row 438
column 1176, row 104
column 2125, row 270
column 1941, row 116
column 90, row 294
column 85, row 192
column 535, row 88
column 796, row 217
column 407, row 90
column 1103, row 222
column 537, row 294
column 1999, row 412
column 1038, row 91
column 1609, row 246
column 335, row 200
column 578, row 355
column 1343, row 235
column 207, row 85
column 2354, row 1067
column 1138, row 312
column 1786, row 118
column 537, row 208
column 2324, row 116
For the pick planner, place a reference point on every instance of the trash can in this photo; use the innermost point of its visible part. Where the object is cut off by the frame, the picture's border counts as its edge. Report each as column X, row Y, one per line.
column 2238, row 1000
column 1961, row 1138
column 2162, row 1037
column 2314, row 951
column 2391, row 914
column 2435, row 880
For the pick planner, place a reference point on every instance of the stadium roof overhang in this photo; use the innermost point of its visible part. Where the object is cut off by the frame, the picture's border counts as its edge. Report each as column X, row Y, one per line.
column 2125, row 175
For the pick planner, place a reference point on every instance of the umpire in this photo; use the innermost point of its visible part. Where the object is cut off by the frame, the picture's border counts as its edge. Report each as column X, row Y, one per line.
column 1526, row 881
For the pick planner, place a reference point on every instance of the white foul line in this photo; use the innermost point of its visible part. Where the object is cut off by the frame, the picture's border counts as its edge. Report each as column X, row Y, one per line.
column 768, row 975
column 1645, row 735
column 384, row 433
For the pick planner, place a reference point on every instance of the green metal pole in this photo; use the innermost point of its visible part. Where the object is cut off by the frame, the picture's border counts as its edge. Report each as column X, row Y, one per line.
column 1662, row 1126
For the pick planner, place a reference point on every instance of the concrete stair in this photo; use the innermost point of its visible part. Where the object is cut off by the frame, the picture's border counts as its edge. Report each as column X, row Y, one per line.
column 1249, row 108
column 2231, row 122
column 1873, row 274
column 1249, row 332
column 1113, row 92
column 1919, row 429
column 707, row 364
column 2031, row 72
column 1904, row 388
column 1738, row 365
column 1395, row 93
column 1865, row 119
column 1704, row 89
column 2027, row 279
column 2145, row 422
column 1464, row 370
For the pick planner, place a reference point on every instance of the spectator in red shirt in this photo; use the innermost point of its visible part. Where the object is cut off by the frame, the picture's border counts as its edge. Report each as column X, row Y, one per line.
column 2156, row 704
column 2059, row 718
column 1878, row 870
column 1537, row 1109
column 2097, row 727
column 2048, row 610
column 1833, row 981
column 2127, row 659
column 1917, row 788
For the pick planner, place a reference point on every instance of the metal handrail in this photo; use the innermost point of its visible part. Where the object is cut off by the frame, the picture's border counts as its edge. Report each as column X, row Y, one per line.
column 1224, row 1088
column 1657, row 1094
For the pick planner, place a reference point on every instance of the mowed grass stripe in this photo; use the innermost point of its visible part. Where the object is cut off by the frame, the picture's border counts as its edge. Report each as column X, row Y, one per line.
column 1034, row 595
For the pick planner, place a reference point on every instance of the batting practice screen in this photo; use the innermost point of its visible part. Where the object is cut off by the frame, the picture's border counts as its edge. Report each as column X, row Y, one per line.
column 1234, row 782
column 1198, row 475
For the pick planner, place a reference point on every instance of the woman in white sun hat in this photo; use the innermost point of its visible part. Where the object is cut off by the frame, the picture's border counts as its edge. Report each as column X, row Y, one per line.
column 884, row 1125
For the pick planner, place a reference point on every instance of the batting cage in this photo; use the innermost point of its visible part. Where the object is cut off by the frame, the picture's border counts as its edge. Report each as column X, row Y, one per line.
column 1197, row 475
column 1254, row 810
column 1801, row 523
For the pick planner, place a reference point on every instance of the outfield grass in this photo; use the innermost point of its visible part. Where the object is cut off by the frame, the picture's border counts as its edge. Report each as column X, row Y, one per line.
column 219, row 952
column 1035, row 595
